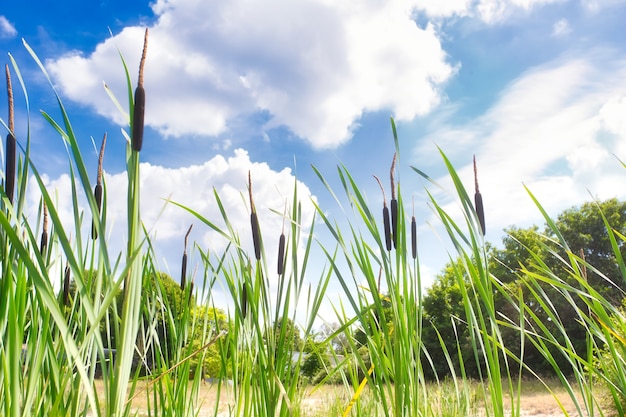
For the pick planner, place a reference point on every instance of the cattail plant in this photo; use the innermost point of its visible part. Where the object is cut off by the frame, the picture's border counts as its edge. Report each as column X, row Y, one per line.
column 478, row 201
column 97, row 192
column 386, row 223
column 254, row 222
column 9, row 177
column 44, row 234
column 281, row 246
column 183, row 272
column 394, row 203
column 140, row 102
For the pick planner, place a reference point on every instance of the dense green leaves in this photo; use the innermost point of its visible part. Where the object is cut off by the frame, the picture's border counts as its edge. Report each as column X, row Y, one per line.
column 525, row 251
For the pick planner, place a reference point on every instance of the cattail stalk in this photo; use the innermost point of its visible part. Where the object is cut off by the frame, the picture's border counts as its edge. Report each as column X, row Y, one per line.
column 97, row 192
column 183, row 272
column 386, row 224
column 254, row 222
column 394, row 204
column 11, row 145
column 140, row 102
column 43, row 245
column 478, row 201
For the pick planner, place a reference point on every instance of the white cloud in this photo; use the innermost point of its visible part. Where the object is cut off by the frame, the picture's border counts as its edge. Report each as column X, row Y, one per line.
column 596, row 5
column 554, row 129
column 561, row 28
column 489, row 11
column 192, row 186
column 7, row 30
column 211, row 62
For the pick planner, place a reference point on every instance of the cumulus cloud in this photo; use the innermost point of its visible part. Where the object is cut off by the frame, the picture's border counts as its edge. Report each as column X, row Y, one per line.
column 314, row 66
column 556, row 129
column 193, row 187
column 7, row 30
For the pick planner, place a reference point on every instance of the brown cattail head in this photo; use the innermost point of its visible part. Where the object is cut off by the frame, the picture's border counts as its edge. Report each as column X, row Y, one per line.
column 281, row 254
column 66, row 285
column 386, row 224
column 97, row 192
column 478, row 201
column 44, row 234
column 254, row 222
column 244, row 300
column 281, row 246
column 140, row 102
column 9, row 184
column 183, row 272
column 394, row 203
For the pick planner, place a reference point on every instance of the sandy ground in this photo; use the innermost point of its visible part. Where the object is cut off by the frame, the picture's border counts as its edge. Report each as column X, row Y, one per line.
column 545, row 405
column 537, row 404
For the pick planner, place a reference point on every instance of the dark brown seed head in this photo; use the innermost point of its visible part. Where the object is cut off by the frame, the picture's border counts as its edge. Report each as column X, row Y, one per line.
column 281, row 245
column 394, row 203
column 478, row 201
column 183, row 272
column 66, row 285
column 387, row 226
column 254, row 222
column 140, row 102
column 44, row 234
column 244, row 300
column 97, row 192
column 480, row 211
column 9, row 184
column 256, row 236
column 281, row 254
column 138, row 118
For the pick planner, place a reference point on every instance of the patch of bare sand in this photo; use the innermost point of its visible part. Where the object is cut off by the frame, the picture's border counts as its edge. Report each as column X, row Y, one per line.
column 546, row 405
column 533, row 403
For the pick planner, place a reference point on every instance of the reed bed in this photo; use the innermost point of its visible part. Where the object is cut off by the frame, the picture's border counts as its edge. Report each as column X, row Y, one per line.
column 117, row 332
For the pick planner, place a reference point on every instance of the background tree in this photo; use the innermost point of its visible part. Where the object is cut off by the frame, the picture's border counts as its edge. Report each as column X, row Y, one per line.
column 445, row 332
column 292, row 338
column 584, row 230
column 206, row 323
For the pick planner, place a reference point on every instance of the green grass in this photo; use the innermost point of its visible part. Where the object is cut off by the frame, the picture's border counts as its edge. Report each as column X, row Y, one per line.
column 164, row 347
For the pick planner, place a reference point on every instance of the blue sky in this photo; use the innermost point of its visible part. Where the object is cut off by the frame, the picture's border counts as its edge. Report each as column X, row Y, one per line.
column 536, row 89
